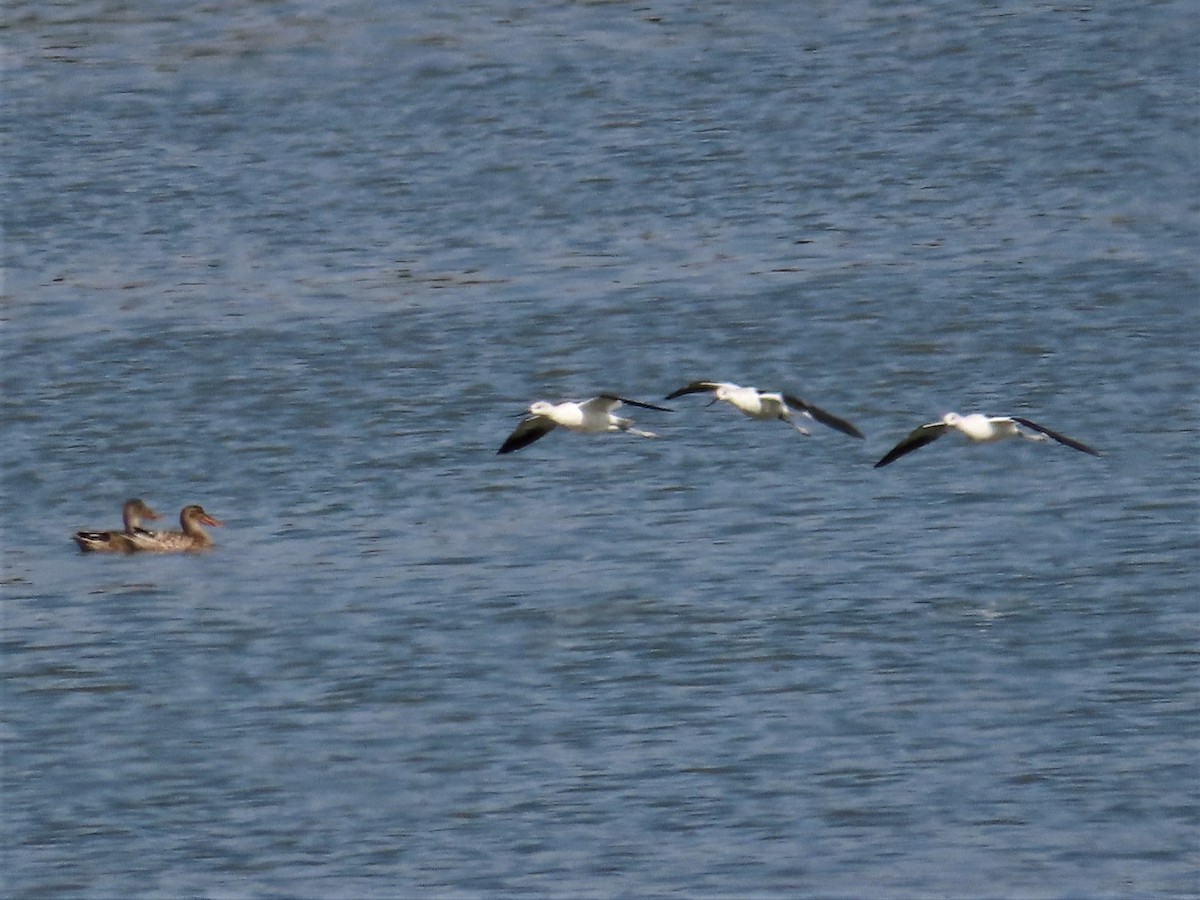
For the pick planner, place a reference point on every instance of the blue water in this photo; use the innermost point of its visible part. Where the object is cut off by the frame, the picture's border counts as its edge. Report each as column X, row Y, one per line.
column 305, row 262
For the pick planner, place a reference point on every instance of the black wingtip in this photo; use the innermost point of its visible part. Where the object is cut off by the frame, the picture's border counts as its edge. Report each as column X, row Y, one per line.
column 1058, row 436
column 916, row 439
column 846, row 428
column 694, row 387
column 896, row 452
column 825, row 418
column 638, row 403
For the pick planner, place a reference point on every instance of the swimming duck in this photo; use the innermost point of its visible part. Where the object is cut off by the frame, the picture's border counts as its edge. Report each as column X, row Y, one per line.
column 134, row 510
column 192, row 537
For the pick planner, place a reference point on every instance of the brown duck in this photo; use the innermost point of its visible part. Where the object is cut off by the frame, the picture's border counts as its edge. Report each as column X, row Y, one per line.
column 191, row 538
column 134, row 510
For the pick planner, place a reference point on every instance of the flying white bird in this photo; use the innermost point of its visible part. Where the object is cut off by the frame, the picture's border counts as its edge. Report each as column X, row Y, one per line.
column 594, row 416
column 979, row 428
column 761, row 405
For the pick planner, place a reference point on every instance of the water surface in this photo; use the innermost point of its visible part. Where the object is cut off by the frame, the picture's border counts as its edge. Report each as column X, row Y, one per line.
column 304, row 262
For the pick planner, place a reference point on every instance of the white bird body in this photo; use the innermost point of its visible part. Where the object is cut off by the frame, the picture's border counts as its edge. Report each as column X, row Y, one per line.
column 981, row 429
column 594, row 416
column 591, row 416
column 750, row 401
column 766, row 405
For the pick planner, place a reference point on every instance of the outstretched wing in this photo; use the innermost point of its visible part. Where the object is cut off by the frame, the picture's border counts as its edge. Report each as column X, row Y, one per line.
column 1054, row 435
column 696, row 387
column 611, row 401
column 528, row 430
column 821, row 416
column 915, row 439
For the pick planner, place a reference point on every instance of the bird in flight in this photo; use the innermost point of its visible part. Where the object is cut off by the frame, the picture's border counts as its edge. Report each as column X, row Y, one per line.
column 981, row 429
column 594, row 416
column 766, row 405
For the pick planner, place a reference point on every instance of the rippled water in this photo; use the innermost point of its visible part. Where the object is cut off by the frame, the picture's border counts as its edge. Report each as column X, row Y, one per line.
column 305, row 262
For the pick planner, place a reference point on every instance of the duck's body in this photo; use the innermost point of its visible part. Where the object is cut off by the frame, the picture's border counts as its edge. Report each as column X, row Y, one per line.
column 594, row 416
column 979, row 428
column 766, row 405
column 191, row 538
column 132, row 513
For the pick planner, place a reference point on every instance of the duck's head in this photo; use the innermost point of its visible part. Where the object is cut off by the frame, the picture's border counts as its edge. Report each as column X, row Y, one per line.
column 196, row 513
column 137, row 508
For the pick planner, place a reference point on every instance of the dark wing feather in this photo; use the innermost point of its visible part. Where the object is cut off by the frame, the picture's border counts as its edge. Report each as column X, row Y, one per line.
column 821, row 416
column 1061, row 438
column 696, row 387
column 637, row 403
column 916, row 439
column 103, row 540
column 527, row 431
column 93, row 537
